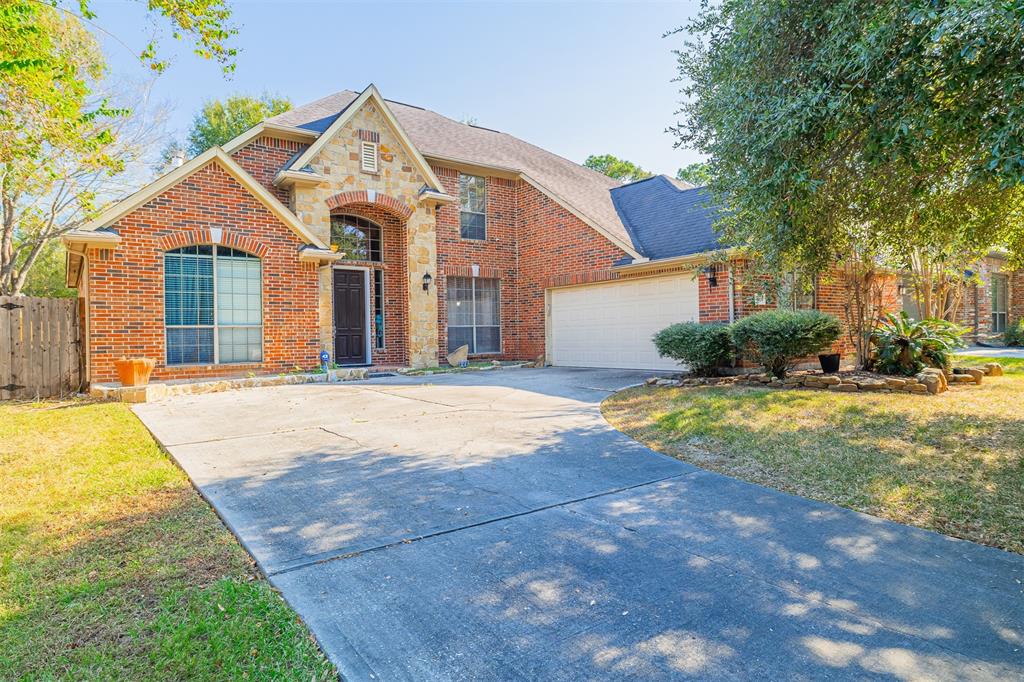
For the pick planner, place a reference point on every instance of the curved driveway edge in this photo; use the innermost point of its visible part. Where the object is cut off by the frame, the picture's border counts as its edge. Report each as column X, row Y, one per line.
column 492, row 526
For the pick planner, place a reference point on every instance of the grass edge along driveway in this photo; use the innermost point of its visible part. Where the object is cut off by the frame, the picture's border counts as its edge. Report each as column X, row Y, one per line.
column 952, row 463
column 113, row 567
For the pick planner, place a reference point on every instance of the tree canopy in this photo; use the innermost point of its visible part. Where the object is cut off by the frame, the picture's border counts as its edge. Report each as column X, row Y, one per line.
column 895, row 123
column 614, row 167
column 219, row 121
column 697, row 174
column 66, row 136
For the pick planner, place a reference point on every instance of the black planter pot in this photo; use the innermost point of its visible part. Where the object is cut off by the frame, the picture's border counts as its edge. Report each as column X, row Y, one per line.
column 829, row 362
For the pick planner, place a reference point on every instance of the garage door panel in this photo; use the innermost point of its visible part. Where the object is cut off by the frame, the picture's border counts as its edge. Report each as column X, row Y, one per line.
column 611, row 324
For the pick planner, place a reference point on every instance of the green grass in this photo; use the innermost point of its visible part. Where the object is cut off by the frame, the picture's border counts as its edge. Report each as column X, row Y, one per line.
column 112, row 567
column 952, row 463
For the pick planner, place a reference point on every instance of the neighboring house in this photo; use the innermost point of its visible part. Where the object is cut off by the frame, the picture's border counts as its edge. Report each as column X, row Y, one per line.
column 387, row 235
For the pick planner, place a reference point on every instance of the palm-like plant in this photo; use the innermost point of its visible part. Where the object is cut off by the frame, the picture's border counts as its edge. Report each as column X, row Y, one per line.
column 905, row 346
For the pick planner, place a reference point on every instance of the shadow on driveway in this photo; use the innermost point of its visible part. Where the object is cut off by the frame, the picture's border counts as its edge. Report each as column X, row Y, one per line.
column 492, row 526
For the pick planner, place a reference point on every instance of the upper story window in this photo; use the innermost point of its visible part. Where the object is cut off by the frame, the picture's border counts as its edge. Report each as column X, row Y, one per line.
column 473, row 207
column 357, row 238
column 213, row 305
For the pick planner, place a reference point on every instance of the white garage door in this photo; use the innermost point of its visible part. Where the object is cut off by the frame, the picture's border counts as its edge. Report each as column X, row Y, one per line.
column 611, row 324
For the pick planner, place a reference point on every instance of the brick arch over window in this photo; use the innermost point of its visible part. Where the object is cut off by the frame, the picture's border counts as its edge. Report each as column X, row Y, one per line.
column 339, row 202
column 229, row 238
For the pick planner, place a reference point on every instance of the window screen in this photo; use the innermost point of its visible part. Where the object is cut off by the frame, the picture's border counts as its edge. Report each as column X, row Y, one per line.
column 213, row 308
column 474, row 314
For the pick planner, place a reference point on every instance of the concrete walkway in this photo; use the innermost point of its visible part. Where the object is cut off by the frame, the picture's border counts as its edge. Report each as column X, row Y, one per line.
column 492, row 526
column 988, row 352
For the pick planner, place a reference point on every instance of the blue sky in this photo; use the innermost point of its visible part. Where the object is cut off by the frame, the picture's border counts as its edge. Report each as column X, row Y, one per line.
column 576, row 78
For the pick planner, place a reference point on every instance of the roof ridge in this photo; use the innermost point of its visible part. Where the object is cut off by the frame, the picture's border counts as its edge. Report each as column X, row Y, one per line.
column 637, row 182
column 505, row 134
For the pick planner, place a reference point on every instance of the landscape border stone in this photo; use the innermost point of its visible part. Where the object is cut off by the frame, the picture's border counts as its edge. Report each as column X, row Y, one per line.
column 929, row 381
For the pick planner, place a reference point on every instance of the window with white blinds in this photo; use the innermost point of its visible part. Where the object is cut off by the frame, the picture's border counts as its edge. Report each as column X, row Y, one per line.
column 474, row 314
column 368, row 156
column 213, row 305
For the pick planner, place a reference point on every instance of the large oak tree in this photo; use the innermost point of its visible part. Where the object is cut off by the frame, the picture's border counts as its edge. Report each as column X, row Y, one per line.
column 892, row 129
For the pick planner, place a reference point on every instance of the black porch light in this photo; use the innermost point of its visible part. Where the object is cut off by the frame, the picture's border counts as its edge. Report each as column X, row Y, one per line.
column 427, row 279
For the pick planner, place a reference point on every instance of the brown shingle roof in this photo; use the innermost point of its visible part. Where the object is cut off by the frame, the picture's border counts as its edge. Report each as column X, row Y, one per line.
column 584, row 190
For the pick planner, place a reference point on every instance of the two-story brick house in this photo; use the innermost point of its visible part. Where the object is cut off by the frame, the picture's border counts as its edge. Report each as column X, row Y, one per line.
column 387, row 234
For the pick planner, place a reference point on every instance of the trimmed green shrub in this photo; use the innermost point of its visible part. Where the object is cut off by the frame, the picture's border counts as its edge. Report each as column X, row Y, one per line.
column 1014, row 334
column 703, row 347
column 905, row 346
column 777, row 338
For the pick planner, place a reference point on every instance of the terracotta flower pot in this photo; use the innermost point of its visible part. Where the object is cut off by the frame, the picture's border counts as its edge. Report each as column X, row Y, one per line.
column 134, row 371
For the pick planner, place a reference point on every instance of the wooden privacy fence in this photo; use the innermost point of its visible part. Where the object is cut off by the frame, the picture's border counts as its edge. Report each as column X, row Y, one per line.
column 40, row 344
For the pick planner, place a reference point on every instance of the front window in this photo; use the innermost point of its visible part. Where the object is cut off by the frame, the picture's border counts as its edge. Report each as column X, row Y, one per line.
column 474, row 314
column 473, row 207
column 213, row 305
column 1000, row 296
column 796, row 293
column 357, row 238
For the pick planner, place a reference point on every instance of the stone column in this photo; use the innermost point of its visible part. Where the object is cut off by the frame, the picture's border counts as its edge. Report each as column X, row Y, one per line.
column 422, row 304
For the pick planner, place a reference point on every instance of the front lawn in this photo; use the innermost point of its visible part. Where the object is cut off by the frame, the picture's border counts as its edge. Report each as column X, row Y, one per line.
column 112, row 566
column 952, row 463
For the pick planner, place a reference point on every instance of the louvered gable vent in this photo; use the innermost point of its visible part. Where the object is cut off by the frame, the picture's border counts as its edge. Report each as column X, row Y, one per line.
column 369, row 142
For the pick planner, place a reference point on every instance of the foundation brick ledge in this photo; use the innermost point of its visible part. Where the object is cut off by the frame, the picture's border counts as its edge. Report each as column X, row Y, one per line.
column 162, row 390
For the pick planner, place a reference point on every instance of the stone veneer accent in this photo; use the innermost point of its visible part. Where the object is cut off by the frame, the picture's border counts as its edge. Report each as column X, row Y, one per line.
column 395, row 188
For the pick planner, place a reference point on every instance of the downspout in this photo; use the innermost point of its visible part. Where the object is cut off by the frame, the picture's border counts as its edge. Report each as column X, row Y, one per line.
column 85, row 344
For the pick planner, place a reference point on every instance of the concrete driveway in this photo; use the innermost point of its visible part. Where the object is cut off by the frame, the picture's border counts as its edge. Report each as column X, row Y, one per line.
column 492, row 526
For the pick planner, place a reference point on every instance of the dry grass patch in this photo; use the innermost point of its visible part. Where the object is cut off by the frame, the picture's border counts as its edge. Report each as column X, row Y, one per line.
column 113, row 567
column 952, row 463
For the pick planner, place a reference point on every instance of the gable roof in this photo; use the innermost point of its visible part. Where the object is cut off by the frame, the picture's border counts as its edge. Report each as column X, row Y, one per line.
column 213, row 155
column 665, row 220
column 583, row 191
column 370, row 93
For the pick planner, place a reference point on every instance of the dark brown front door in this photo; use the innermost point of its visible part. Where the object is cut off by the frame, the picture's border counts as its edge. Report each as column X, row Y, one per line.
column 349, row 317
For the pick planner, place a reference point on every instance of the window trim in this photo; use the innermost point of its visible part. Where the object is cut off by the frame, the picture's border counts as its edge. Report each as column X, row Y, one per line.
column 215, row 326
column 449, row 325
column 462, row 210
column 374, row 149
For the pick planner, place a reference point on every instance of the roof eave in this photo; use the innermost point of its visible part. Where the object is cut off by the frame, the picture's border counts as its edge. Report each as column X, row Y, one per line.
column 314, row 254
column 690, row 258
column 289, row 178
column 277, row 130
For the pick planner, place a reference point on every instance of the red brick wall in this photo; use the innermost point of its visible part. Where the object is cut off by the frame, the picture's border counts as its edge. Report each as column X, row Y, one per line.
column 552, row 243
column 396, row 288
column 531, row 242
column 713, row 300
column 263, row 157
column 126, row 286
column 976, row 308
column 830, row 297
column 495, row 256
